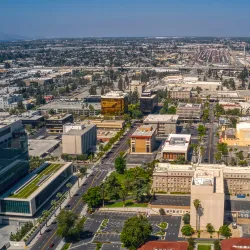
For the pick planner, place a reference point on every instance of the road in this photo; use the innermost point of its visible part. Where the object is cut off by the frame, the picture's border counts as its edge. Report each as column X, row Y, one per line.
column 75, row 204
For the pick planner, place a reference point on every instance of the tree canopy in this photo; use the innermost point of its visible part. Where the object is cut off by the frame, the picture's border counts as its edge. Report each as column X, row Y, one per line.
column 136, row 231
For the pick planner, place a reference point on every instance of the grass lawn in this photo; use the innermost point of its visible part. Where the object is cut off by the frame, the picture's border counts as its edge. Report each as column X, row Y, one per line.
column 27, row 190
column 204, row 247
column 128, row 203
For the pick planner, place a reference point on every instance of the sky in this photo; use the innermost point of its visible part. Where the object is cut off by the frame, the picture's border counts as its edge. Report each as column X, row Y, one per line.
column 122, row 18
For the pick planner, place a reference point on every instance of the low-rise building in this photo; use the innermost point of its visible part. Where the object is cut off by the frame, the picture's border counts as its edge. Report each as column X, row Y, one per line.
column 235, row 244
column 142, row 141
column 164, row 124
column 54, row 124
column 189, row 112
column 180, row 93
column 237, row 137
column 9, row 101
column 148, row 102
column 176, row 145
column 107, row 124
column 114, row 103
column 154, row 245
column 78, row 139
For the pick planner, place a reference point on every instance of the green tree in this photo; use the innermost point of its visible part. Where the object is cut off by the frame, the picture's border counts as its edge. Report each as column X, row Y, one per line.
column 20, row 105
column 69, row 226
column 191, row 243
column 69, row 186
column 210, row 228
column 92, row 90
column 45, row 214
column 112, row 187
column 136, row 231
column 187, row 230
column 171, row 110
column 120, row 84
column 225, row 231
column 120, row 165
column 217, row 245
column 197, row 205
column 59, row 196
column 201, row 130
column 93, row 197
column 186, row 218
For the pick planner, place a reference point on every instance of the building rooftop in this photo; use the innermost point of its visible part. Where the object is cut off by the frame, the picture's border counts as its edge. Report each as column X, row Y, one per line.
column 177, row 143
column 164, row 245
column 39, row 147
column 161, row 118
column 79, row 131
column 189, row 105
column 36, row 181
column 144, row 130
column 165, row 167
column 58, row 116
column 115, row 94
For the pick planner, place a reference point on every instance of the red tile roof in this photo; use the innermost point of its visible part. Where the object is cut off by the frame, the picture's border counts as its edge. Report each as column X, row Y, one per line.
column 235, row 244
column 164, row 245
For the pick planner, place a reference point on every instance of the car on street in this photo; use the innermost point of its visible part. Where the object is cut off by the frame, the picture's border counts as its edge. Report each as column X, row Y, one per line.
column 51, row 245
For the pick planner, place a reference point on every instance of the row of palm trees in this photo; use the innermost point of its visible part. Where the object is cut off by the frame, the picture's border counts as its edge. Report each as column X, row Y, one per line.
column 60, row 197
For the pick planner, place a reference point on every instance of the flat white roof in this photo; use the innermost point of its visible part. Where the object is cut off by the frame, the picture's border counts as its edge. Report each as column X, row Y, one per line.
column 161, row 118
column 177, row 143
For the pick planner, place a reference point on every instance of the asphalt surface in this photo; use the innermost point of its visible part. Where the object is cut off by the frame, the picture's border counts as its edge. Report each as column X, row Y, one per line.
column 171, row 200
column 75, row 204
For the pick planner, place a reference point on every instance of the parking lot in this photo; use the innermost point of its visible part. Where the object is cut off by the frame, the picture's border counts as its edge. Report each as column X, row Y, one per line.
column 171, row 200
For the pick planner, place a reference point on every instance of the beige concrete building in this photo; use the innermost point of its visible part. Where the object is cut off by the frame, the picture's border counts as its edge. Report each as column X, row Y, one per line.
column 237, row 137
column 107, row 124
column 180, row 93
column 142, row 141
column 78, row 139
column 164, row 124
column 189, row 112
column 171, row 178
column 137, row 86
column 207, row 186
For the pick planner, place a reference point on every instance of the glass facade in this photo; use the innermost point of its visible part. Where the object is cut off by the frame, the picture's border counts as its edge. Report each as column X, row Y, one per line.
column 14, row 157
column 19, row 207
column 50, row 189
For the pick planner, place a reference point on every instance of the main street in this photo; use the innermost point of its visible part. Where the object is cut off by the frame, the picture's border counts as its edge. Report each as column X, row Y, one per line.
column 75, row 204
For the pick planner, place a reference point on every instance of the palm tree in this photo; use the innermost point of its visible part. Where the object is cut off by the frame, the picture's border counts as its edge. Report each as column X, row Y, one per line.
column 40, row 220
column 59, row 197
column 69, row 186
column 53, row 204
column 197, row 205
column 123, row 193
column 45, row 215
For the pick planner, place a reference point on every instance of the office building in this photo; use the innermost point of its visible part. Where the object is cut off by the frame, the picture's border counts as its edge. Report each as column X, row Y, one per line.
column 164, row 124
column 176, row 145
column 14, row 158
column 78, row 139
column 54, row 124
column 33, row 191
column 138, row 86
column 7, row 101
column 148, row 102
column 107, row 124
column 177, row 178
column 237, row 137
column 114, row 103
column 189, row 112
column 72, row 107
column 207, row 186
column 180, row 93
column 142, row 141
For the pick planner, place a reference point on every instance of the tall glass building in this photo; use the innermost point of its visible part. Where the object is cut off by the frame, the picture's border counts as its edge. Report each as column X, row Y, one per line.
column 14, row 157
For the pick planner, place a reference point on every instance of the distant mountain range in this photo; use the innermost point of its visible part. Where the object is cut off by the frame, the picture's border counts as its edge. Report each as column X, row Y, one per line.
column 11, row 37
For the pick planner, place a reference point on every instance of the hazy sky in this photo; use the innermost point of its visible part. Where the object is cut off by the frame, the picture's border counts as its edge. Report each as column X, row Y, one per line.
column 86, row 18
